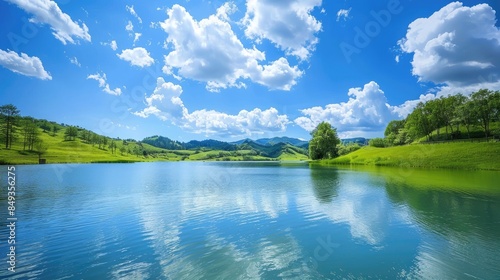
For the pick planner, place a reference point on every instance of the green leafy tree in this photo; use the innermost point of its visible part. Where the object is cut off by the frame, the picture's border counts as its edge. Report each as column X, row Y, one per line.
column 8, row 116
column 467, row 116
column 104, row 141
column 95, row 139
column 484, row 108
column 41, row 148
column 55, row 129
column 377, row 142
column 71, row 133
column 324, row 142
column 30, row 133
column 112, row 146
column 452, row 118
column 418, row 123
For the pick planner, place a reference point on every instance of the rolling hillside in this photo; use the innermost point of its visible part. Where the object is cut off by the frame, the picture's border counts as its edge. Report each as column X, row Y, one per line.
column 88, row 147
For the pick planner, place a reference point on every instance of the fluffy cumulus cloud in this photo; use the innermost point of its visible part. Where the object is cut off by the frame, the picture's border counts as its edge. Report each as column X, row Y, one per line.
column 166, row 104
column 288, row 24
column 101, row 78
column 48, row 12
column 23, row 64
column 137, row 57
column 457, row 46
column 366, row 111
column 209, row 51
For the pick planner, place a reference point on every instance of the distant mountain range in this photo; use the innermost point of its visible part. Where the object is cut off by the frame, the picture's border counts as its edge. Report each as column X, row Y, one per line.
column 268, row 147
column 167, row 143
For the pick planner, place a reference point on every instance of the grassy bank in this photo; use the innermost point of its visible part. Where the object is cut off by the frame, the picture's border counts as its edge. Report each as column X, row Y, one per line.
column 78, row 151
column 460, row 155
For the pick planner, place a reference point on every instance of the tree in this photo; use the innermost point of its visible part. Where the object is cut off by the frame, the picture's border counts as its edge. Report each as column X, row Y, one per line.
column 466, row 114
column 95, row 139
column 104, row 141
column 45, row 125
column 392, row 131
column 377, row 142
column 418, row 123
column 40, row 148
column 122, row 150
column 394, row 127
column 324, row 142
column 484, row 107
column 8, row 114
column 55, row 129
column 112, row 146
column 70, row 133
column 452, row 117
column 30, row 133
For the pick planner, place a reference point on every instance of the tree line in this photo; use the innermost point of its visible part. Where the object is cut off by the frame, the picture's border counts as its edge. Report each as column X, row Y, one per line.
column 25, row 131
column 442, row 119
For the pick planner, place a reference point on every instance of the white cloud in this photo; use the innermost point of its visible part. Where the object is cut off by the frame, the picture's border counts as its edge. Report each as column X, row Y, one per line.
column 48, row 12
column 129, row 27
column 166, row 104
column 137, row 36
column 407, row 107
column 131, row 10
column 288, row 24
column 245, row 123
column 278, row 75
column 23, row 64
column 209, row 51
column 137, row 56
column 365, row 112
column 456, row 46
column 113, row 45
column 225, row 10
column 101, row 78
column 343, row 14
column 396, row 58
column 74, row 60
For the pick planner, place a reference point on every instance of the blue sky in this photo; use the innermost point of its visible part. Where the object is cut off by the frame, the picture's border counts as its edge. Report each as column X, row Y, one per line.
column 231, row 70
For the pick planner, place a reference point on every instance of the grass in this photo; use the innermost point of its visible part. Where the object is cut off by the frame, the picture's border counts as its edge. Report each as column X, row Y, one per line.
column 460, row 155
column 78, row 151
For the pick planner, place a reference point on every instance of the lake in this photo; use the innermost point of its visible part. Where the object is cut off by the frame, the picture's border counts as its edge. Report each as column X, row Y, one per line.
column 230, row 220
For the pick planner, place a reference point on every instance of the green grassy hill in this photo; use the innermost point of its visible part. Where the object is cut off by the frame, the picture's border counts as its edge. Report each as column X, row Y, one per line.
column 61, row 150
column 458, row 155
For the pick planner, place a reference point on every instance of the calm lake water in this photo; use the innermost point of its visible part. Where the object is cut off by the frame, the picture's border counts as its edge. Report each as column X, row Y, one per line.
column 201, row 220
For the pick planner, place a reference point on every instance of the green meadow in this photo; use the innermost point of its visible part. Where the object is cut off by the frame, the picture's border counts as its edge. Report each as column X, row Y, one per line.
column 60, row 150
column 453, row 155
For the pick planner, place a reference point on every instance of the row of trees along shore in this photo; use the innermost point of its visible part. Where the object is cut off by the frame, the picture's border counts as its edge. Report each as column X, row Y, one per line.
column 15, row 128
column 447, row 118
column 439, row 119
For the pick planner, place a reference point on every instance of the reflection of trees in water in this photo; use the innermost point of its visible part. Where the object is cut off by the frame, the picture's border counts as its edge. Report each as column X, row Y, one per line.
column 449, row 212
column 325, row 183
column 468, row 226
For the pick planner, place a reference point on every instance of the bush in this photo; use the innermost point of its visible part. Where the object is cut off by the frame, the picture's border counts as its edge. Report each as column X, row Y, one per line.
column 377, row 142
column 346, row 149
